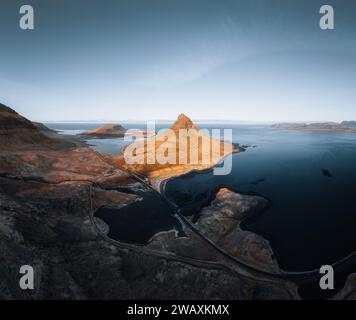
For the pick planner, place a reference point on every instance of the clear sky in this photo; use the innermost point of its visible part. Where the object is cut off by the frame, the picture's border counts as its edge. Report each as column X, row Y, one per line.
column 251, row 60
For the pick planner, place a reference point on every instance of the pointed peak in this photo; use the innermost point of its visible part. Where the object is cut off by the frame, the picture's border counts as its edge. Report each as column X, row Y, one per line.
column 183, row 116
column 183, row 122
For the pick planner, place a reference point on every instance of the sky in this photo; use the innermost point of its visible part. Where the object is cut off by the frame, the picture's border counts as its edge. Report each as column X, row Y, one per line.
column 251, row 60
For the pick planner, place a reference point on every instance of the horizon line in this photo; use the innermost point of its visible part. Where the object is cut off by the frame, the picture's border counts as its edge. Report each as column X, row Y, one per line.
column 117, row 121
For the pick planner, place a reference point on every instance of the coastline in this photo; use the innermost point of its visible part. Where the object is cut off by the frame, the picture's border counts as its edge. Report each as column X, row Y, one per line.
column 158, row 181
column 306, row 129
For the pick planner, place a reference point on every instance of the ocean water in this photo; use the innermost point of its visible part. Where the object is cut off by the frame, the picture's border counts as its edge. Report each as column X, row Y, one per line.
column 309, row 177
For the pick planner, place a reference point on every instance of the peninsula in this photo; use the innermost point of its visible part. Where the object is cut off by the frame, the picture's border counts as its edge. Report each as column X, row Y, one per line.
column 200, row 152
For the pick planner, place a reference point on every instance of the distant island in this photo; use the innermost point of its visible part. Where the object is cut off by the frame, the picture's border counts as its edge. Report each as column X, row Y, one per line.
column 349, row 126
column 113, row 131
column 106, row 130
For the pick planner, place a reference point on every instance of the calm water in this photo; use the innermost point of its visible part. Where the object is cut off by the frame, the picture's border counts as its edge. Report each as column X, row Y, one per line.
column 312, row 220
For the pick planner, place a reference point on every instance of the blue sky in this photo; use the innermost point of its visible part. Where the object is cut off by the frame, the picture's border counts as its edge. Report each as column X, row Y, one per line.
column 252, row 60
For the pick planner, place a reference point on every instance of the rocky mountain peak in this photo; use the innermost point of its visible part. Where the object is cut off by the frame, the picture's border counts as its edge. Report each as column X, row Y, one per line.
column 183, row 122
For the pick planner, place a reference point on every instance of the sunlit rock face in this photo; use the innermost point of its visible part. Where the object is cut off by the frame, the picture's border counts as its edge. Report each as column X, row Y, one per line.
column 183, row 122
column 174, row 151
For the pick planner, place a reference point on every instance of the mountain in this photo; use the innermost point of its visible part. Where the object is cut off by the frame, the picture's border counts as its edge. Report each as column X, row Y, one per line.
column 183, row 122
column 173, row 152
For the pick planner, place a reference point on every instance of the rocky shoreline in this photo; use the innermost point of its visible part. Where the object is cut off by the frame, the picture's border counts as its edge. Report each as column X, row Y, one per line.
column 220, row 222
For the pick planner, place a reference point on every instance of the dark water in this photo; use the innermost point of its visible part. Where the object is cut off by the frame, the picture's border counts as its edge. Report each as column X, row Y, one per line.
column 139, row 221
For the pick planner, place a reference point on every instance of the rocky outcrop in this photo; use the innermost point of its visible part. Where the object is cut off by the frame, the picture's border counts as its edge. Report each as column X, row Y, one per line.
column 220, row 223
column 349, row 290
column 106, row 131
column 183, row 122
